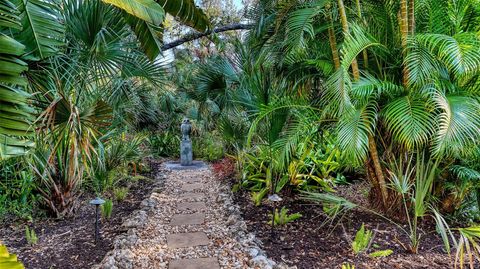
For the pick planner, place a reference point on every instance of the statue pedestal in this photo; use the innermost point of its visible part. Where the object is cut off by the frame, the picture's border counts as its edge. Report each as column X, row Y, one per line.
column 186, row 156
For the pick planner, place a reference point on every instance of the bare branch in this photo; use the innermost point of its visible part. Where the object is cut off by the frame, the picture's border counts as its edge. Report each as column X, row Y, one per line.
column 197, row 35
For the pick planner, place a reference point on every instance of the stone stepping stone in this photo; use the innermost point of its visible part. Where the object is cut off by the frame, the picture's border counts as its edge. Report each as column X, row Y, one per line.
column 192, row 196
column 196, row 206
column 188, row 219
column 192, row 187
column 200, row 263
column 183, row 240
column 191, row 180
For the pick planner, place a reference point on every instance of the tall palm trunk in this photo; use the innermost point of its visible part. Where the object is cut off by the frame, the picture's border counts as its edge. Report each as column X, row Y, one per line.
column 404, row 36
column 411, row 17
column 360, row 16
column 333, row 42
column 346, row 31
column 377, row 178
column 377, row 166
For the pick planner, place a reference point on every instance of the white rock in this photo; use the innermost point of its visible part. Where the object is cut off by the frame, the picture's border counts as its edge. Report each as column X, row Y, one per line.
column 253, row 252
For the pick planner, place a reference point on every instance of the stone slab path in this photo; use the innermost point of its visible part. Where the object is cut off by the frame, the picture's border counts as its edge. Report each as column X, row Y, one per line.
column 190, row 222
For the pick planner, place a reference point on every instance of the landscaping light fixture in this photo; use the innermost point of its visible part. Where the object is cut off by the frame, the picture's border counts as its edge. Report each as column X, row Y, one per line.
column 97, row 202
column 274, row 199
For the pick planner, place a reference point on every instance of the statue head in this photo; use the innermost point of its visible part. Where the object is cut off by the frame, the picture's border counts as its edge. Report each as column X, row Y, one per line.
column 186, row 120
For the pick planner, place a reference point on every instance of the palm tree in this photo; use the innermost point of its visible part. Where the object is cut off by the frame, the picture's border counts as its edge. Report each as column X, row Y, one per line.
column 39, row 26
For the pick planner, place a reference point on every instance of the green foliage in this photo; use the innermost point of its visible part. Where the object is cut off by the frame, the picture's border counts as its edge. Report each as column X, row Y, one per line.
column 107, row 209
column 282, row 218
column 207, row 147
column 467, row 246
column 257, row 197
column 165, row 144
column 381, row 253
column 9, row 261
column 30, row 235
column 348, row 266
column 120, row 193
column 17, row 188
column 362, row 240
column 15, row 112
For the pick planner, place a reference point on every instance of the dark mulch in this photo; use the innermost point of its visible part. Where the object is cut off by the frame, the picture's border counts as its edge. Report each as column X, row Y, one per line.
column 69, row 243
column 307, row 245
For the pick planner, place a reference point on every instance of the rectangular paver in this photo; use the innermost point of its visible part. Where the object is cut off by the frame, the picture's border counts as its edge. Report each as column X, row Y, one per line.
column 188, row 219
column 200, row 263
column 192, row 186
column 191, row 180
column 183, row 240
column 195, row 206
column 192, row 196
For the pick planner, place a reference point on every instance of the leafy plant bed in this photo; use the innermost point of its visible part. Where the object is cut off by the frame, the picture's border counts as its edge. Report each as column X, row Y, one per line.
column 306, row 244
column 69, row 243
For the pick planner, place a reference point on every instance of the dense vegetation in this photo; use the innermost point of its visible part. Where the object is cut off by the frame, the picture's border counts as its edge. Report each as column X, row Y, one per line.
column 315, row 94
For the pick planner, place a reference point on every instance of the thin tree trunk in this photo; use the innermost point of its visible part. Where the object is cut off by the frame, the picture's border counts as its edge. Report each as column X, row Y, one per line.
column 333, row 42
column 346, row 31
column 404, row 36
column 360, row 16
column 378, row 169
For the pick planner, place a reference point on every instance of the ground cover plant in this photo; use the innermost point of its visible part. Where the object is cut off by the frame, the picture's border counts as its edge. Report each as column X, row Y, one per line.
column 363, row 116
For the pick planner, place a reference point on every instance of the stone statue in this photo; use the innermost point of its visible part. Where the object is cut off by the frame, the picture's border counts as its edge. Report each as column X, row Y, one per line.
column 186, row 129
column 186, row 155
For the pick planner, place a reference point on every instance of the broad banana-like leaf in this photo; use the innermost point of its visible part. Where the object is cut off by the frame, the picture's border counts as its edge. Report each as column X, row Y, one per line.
column 149, row 35
column 42, row 31
column 15, row 113
column 187, row 12
column 146, row 10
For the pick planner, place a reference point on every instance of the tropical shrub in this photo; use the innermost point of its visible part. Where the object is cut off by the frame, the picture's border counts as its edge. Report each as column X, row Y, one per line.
column 166, row 144
column 207, row 147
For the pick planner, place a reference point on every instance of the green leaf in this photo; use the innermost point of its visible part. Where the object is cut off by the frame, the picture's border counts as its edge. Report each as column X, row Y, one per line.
column 353, row 129
column 149, row 35
column 146, row 10
column 42, row 32
column 410, row 121
column 458, row 124
column 381, row 253
column 187, row 12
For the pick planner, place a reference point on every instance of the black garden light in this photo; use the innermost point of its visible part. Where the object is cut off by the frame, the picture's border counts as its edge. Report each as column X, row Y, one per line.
column 97, row 202
column 274, row 199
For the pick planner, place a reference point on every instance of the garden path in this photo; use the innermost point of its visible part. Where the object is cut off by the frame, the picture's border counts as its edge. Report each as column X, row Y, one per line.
column 188, row 223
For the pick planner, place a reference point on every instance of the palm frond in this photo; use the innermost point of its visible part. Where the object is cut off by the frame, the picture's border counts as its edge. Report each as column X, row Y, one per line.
column 354, row 127
column 410, row 121
column 42, row 33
